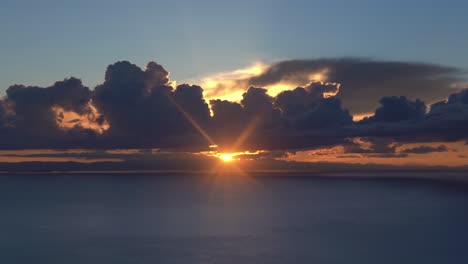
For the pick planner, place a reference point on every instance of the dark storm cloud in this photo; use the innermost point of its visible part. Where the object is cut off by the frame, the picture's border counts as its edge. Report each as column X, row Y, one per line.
column 364, row 82
column 140, row 108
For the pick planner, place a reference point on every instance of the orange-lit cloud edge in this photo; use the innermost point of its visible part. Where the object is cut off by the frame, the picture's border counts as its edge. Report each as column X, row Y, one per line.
column 231, row 85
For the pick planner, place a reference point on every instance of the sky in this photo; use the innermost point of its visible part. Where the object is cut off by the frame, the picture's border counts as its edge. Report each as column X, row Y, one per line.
column 48, row 40
column 380, row 83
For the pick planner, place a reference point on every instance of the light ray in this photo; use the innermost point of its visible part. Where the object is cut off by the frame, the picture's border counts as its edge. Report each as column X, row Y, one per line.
column 247, row 131
column 193, row 122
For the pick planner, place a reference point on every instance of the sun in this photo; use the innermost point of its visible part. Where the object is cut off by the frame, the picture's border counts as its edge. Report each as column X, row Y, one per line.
column 226, row 157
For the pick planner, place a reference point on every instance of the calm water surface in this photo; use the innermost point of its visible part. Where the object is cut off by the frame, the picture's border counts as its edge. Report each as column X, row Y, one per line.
column 196, row 219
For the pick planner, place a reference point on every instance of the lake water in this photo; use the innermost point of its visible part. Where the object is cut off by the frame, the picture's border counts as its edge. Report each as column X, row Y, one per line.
column 230, row 219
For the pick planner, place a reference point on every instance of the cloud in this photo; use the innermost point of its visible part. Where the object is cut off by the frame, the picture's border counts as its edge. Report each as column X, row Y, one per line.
column 230, row 85
column 29, row 119
column 277, row 122
column 143, row 108
column 363, row 81
column 295, row 102
column 446, row 120
column 426, row 149
column 371, row 145
column 397, row 108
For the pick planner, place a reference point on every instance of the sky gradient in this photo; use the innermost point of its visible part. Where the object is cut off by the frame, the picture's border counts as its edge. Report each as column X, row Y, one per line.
column 48, row 40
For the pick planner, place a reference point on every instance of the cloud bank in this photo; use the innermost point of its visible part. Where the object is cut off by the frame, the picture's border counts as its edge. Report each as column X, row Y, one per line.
column 364, row 81
column 142, row 108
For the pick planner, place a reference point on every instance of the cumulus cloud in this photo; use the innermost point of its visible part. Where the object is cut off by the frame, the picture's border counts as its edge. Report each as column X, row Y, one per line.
column 397, row 108
column 297, row 101
column 445, row 121
column 30, row 121
column 143, row 108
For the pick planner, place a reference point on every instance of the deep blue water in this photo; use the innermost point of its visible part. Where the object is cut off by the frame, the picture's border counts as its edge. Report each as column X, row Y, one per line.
column 230, row 219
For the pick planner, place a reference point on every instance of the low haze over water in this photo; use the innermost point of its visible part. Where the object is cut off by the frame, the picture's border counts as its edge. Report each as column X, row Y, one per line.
column 230, row 219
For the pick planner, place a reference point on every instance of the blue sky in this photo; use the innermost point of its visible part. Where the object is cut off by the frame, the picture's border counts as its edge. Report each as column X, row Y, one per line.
column 45, row 41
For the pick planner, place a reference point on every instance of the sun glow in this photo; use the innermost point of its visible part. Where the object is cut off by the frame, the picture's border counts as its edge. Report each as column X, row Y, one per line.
column 231, row 85
column 232, row 156
column 227, row 157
